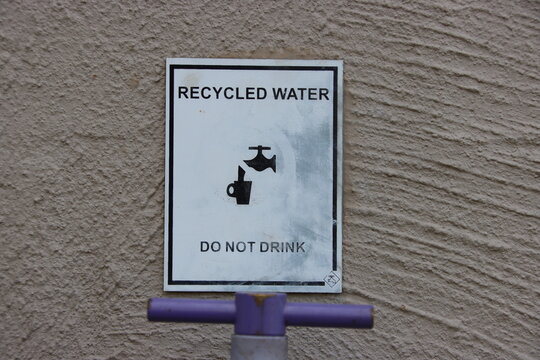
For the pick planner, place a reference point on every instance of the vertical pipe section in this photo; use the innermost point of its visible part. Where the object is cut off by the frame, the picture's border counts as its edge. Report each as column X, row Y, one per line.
column 260, row 314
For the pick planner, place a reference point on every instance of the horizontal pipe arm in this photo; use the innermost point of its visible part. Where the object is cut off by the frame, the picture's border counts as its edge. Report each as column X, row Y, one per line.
column 191, row 310
column 329, row 315
column 291, row 314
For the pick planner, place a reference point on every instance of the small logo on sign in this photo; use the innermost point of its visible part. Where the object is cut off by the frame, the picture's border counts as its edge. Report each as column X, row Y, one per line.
column 331, row 279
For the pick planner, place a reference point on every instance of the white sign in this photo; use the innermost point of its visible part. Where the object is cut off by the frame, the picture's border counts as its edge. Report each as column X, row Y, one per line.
column 253, row 175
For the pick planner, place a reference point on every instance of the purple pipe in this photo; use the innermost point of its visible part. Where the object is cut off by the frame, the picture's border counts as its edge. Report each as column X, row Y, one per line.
column 260, row 314
column 329, row 315
column 191, row 310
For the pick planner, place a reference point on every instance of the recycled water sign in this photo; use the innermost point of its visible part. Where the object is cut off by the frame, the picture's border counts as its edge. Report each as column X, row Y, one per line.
column 253, row 175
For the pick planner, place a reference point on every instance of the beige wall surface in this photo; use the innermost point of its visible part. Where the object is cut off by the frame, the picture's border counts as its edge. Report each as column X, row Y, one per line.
column 441, row 171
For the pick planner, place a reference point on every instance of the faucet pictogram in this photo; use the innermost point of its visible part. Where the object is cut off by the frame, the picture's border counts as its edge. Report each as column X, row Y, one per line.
column 261, row 162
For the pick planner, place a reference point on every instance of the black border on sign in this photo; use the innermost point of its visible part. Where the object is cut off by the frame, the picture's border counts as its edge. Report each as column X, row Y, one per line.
column 172, row 67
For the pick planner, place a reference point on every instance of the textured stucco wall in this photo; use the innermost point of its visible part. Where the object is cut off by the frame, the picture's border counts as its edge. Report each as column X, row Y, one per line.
column 442, row 164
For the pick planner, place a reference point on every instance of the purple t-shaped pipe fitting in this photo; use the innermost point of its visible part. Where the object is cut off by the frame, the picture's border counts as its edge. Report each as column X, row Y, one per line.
column 261, row 314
